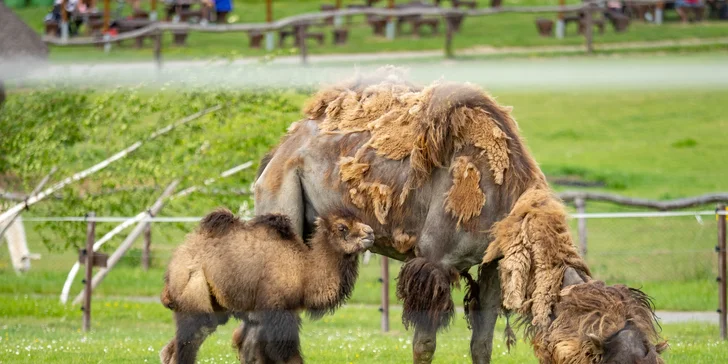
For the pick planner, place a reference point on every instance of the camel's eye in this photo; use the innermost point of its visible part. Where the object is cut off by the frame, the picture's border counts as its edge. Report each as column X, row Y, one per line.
column 343, row 228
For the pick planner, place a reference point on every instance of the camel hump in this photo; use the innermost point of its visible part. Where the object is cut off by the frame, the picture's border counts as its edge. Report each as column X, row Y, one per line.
column 281, row 224
column 218, row 222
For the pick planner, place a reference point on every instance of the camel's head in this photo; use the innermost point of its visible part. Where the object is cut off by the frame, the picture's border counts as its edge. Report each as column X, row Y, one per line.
column 345, row 232
column 599, row 324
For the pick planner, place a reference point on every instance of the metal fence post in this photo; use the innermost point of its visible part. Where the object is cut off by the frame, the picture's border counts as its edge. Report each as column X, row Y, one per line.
column 721, row 249
column 385, row 294
column 90, row 238
column 581, row 225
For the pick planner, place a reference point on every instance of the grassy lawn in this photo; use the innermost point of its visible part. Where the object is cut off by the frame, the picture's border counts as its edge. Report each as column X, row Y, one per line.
column 500, row 30
column 652, row 144
column 41, row 331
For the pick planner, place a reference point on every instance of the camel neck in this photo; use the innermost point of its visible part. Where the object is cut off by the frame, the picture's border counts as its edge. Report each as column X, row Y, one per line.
column 330, row 277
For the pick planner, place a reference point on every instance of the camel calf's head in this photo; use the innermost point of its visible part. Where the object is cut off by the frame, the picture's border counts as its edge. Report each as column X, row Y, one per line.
column 345, row 232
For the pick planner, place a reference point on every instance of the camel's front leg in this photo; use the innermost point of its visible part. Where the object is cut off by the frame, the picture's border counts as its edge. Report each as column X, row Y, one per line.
column 424, row 288
column 423, row 345
column 484, row 313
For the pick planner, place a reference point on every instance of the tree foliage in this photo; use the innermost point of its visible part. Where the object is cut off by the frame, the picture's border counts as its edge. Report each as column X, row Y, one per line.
column 75, row 128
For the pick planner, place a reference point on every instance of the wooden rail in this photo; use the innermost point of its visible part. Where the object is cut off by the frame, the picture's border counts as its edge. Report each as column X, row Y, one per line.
column 157, row 28
column 681, row 203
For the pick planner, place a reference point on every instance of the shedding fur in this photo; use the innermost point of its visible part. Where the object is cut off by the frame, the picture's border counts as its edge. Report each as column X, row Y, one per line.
column 403, row 241
column 424, row 289
column 536, row 247
column 471, row 300
column 264, row 268
column 465, row 199
column 573, row 324
column 588, row 316
column 427, row 125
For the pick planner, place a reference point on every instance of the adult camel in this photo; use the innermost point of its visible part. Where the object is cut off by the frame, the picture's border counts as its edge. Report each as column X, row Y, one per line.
column 439, row 173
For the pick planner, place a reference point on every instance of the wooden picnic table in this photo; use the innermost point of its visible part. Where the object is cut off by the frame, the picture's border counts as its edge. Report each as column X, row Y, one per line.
column 417, row 21
column 293, row 31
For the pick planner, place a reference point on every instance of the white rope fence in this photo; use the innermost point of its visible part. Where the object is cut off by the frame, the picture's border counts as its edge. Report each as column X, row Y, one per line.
column 591, row 215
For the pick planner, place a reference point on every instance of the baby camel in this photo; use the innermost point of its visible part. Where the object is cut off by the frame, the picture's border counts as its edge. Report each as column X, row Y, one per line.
column 262, row 272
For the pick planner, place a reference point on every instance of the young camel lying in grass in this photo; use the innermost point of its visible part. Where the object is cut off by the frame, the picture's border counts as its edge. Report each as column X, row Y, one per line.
column 262, row 272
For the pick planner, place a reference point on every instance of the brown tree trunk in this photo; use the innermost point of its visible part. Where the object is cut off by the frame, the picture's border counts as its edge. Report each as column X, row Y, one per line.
column 495, row 3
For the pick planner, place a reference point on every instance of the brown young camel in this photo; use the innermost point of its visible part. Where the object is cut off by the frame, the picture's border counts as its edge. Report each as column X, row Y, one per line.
column 435, row 171
column 263, row 272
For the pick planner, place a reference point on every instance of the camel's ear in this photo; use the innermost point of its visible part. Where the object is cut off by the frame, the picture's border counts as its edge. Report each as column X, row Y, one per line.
column 596, row 344
column 571, row 277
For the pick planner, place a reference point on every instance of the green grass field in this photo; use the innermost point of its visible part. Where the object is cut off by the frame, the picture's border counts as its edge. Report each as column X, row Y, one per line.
column 38, row 330
column 500, row 30
column 654, row 144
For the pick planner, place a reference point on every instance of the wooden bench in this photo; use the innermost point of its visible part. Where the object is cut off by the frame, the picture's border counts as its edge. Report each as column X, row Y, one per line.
column 124, row 26
column 417, row 25
column 545, row 27
column 256, row 39
column 465, row 4
column 51, row 27
column 413, row 19
column 597, row 22
column 456, row 21
column 341, row 36
column 329, row 20
column 619, row 21
column 378, row 24
column 293, row 32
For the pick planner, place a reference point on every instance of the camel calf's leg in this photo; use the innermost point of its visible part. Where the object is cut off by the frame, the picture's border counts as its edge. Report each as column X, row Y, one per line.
column 484, row 313
column 192, row 330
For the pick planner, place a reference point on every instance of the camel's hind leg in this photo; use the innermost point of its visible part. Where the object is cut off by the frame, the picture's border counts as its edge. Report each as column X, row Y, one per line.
column 192, row 330
column 246, row 339
column 484, row 313
column 273, row 340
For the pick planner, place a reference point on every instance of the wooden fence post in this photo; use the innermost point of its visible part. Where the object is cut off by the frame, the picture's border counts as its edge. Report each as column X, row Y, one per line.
column 301, row 35
column 126, row 244
column 581, row 225
column 385, row 294
column 448, row 37
column 589, row 31
column 90, row 237
column 722, row 280
column 147, row 245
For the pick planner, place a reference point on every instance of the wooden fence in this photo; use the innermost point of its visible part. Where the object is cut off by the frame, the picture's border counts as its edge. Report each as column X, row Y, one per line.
column 156, row 29
column 579, row 200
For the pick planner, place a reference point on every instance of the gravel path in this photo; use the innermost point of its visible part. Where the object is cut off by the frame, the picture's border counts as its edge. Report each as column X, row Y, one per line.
column 665, row 317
